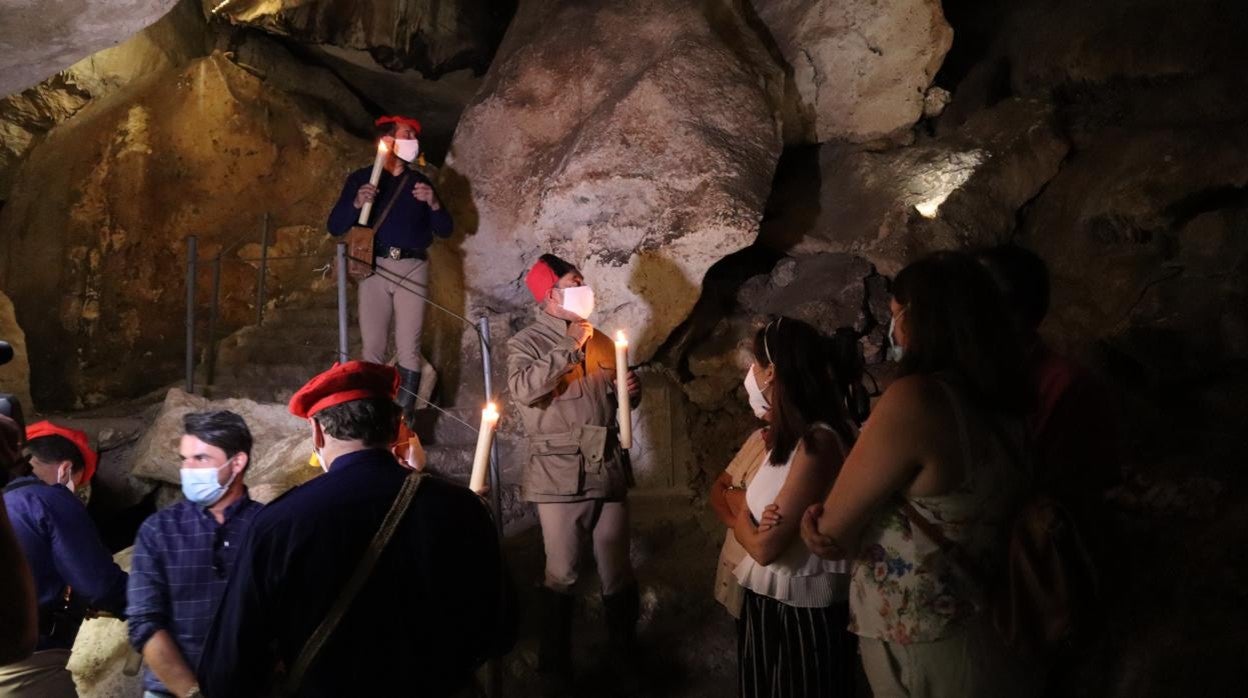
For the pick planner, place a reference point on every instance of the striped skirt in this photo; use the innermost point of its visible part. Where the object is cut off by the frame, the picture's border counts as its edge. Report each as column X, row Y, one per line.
column 784, row 651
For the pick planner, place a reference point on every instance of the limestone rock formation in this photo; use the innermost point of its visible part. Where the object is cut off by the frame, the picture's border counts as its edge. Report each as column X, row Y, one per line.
column 858, row 71
column 892, row 206
column 113, row 193
column 636, row 139
column 38, row 39
column 433, row 37
column 15, row 375
column 101, row 652
column 279, row 456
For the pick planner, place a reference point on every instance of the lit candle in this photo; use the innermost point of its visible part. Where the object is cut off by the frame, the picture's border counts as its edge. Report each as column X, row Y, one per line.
column 621, row 390
column 374, row 178
column 485, row 437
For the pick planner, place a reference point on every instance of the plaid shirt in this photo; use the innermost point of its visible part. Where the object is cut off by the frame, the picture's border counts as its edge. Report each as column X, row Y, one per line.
column 182, row 558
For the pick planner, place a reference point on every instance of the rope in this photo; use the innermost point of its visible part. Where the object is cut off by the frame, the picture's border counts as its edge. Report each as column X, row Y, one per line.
column 399, row 281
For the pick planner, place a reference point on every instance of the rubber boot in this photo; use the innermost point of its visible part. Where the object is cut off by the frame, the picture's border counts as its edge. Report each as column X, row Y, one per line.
column 409, row 384
column 555, row 653
column 622, row 609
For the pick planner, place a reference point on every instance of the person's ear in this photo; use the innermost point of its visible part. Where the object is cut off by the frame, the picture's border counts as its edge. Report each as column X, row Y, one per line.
column 240, row 463
column 318, row 434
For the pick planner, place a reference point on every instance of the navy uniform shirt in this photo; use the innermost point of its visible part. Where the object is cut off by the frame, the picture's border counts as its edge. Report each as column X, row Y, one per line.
column 63, row 548
column 411, row 224
column 429, row 614
column 182, row 558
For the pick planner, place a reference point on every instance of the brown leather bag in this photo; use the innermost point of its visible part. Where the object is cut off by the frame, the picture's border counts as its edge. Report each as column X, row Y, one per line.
column 360, row 240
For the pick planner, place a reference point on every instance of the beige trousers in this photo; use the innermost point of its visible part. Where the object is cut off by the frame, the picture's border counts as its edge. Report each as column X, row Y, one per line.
column 567, row 525
column 971, row 663
column 43, row 675
column 382, row 298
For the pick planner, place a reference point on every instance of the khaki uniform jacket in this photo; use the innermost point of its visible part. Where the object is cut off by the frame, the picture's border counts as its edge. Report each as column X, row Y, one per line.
column 566, row 399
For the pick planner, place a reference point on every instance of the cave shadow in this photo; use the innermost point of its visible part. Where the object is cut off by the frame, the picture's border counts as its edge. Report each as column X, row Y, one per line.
column 790, row 214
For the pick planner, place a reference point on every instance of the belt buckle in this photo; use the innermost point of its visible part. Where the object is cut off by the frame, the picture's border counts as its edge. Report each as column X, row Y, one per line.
column 396, row 253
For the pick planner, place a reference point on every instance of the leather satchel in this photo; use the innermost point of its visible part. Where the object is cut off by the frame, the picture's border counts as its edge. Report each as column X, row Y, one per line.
column 360, row 239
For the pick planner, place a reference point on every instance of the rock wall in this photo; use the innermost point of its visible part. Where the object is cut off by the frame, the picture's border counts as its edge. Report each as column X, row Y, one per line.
column 857, row 71
column 27, row 115
column 41, row 38
column 112, row 195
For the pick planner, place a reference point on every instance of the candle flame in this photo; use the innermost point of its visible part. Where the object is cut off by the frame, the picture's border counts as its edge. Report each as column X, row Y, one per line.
column 381, row 147
column 619, row 337
column 491, row 410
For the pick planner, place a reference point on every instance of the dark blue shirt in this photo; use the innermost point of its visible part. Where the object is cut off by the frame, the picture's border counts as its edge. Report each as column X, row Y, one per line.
column 411, row 224
column 429, row 614
column 63, row 548
column 182, row 558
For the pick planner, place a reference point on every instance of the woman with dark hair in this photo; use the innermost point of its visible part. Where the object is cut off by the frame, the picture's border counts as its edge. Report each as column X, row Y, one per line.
column 942, row 457
column 791, row 635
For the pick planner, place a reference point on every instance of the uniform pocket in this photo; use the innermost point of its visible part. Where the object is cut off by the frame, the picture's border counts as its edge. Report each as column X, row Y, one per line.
column 555, row 467
column 593, row 443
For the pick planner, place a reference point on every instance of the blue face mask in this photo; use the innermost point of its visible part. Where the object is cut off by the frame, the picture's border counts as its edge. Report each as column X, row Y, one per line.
column 202, row 486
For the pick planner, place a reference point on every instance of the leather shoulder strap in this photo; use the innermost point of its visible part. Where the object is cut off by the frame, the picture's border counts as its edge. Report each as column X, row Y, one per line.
column 398, row 191
column 361, row 574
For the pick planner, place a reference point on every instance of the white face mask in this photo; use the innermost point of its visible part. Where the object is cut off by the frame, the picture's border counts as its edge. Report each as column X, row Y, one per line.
column 579, row 300
column 895, row 350
column 203, row 486
column 406, row 149
column 758, row 401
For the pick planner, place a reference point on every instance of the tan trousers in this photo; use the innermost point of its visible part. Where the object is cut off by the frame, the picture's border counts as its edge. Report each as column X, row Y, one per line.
column 971, row 663
column 566, row 526
column 43, row 675
column 382, row 298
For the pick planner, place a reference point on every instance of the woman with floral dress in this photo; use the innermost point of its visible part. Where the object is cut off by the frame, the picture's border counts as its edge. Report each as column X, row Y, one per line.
column 944, row 443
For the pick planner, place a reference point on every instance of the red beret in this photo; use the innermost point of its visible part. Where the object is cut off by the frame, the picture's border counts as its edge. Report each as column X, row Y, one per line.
column 78, row 438
column 540, row 279
column 354, row 380
column 397, row 120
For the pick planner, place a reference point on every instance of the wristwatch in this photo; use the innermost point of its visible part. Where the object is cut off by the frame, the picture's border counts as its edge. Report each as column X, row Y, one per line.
column 194, row 692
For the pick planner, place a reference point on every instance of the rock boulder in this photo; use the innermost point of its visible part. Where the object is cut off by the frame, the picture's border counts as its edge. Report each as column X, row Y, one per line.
column 15, row 375
column 858, row 71
column 635, row 139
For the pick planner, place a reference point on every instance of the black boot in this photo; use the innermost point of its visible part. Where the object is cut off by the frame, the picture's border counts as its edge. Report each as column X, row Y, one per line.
column 409, row 383
column 555, row 654
column 622, row 610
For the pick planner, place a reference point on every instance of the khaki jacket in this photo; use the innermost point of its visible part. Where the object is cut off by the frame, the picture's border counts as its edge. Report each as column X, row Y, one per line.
column 566, row 399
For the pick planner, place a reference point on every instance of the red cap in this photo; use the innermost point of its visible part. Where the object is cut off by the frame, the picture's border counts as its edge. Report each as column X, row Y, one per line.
column 540, row 279
column 354, row 380
column 78, row 438
column 399, row 120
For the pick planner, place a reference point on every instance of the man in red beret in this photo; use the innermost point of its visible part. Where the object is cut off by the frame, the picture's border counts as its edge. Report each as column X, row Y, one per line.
column 429, row 612
column 72, row 570
column 406, row 216
column 561, row 374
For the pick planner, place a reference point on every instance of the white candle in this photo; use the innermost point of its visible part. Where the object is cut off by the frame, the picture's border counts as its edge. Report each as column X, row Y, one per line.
column 621, row 390
column 485, row 437
column 374, row 178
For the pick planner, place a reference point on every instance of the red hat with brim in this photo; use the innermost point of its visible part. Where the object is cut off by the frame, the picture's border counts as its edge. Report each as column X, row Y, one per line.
column 78, row 438
column 399, row 120
column 540, row 279
column 354, row 380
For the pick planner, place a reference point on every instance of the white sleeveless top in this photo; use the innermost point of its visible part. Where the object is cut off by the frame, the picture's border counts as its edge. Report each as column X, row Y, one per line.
column 798, row 578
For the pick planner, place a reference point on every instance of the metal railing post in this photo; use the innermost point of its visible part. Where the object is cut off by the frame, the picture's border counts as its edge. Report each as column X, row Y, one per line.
column 341, row 268
column 214, row 309
column 263, row 272
column 192, row 251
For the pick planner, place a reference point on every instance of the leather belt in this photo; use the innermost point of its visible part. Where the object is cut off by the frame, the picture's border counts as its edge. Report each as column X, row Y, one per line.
column 400, row 252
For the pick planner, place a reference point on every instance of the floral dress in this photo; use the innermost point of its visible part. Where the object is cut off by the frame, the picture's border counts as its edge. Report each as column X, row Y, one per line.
column 903, row 588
